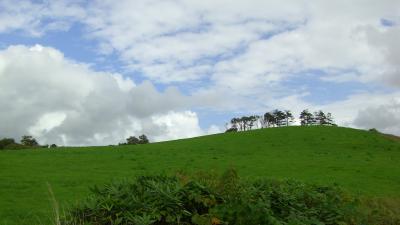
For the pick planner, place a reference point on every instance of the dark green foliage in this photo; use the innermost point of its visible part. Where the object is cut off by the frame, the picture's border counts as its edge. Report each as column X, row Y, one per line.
column 306, row 118
column 211, row 200
column 232, row 129
column 373, row 130
column 15, row 146
column 277, row 118
column 29, row 141
column 132, row 140
column 244, row 123
column 10, row 144
column 5, row 142
column 143, row 139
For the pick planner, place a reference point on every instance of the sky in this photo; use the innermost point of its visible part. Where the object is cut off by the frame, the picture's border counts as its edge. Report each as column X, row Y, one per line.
column 76, row 72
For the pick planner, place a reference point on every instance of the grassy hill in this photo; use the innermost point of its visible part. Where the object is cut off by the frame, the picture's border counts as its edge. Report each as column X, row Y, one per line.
column 363, row 162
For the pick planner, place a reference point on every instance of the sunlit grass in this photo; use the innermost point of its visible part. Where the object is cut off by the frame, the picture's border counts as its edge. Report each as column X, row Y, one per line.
column 363, row 162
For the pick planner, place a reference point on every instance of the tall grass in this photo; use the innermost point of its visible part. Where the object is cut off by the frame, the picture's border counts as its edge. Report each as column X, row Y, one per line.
column 56, row 208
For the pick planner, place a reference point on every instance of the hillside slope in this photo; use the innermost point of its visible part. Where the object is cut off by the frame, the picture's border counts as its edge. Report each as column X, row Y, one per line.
column 361, row 161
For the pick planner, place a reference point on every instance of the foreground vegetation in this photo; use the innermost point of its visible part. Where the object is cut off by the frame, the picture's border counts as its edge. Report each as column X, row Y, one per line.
column 365, row 163
column 209, row 200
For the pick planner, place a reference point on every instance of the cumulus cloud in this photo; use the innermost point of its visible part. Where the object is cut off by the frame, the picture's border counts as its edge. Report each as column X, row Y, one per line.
column 179, row 41
column 385, row 117
column 243, row 52
column 59, row 100
column 385, row 41
column 243, row 42
column 362, row 110
column 170, row 125
column 230, row 56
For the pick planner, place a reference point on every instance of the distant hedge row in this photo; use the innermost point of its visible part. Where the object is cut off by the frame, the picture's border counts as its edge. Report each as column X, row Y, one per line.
column 211, row 200
column 27, row 142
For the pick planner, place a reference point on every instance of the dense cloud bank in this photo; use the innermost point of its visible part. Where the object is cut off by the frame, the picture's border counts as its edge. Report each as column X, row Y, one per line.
column 232, row 57
column 61, row 101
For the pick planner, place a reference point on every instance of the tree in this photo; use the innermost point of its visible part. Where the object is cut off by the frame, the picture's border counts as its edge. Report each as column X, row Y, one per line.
column 306, row 118
column 269, row 119
column 143, row 139
column 235, row 122
column 5, row 142
column 329, row 120
column 132, row 140
column 29, row 141
column 320, row 118
column 254, row 121
column 289, row 117
column 279, row 117
column 323, row 119
column 243, row 123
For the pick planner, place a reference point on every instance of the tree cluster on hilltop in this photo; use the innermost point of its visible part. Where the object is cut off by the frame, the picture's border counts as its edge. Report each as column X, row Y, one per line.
column 132, row 140
column 245, row 123
column 278, row 118
column 316, row 118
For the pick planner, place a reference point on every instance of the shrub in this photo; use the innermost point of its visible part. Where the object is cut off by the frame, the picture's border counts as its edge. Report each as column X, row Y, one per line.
column 232, row 129
column 15, row 146
column 210, row 200
column 373, row 130
column 5, row 142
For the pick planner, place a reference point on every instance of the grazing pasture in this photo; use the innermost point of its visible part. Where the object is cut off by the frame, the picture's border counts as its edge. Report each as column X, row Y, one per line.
column 365, row 163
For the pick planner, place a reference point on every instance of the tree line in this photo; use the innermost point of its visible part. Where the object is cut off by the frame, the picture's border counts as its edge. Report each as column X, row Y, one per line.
column 29, row 142
column 26, row 142
column 278, row 118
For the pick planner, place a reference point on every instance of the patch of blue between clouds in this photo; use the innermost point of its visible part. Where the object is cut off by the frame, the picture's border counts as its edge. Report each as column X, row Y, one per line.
column 387, row 22
column 208, row 118
column 322, row 92
column 74, row 46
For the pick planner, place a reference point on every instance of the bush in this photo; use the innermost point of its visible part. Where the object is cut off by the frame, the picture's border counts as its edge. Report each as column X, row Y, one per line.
column 373, row 130
column 232, row 129
column 15, row 146
column 5, row 142
column 211, row 200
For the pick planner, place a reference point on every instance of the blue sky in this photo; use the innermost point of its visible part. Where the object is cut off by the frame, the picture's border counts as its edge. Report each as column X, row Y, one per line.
column 174, row 69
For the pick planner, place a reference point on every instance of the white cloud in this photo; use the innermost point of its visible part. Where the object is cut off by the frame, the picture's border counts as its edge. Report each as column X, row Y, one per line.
column 37, row 18
column 214, row 129
column 188, row 40
column 46, row 123
column 362, row 110
column 179, row 40
column 233, row 55
column 385, row 117
column 175, row 125
column 58, row 100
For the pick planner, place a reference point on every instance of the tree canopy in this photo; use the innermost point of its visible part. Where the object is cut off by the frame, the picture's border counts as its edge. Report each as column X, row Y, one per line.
column 278, row 118
column 132, row 140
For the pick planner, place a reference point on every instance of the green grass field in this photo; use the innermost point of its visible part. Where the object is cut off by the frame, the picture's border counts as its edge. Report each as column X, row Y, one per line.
column 363, row 162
